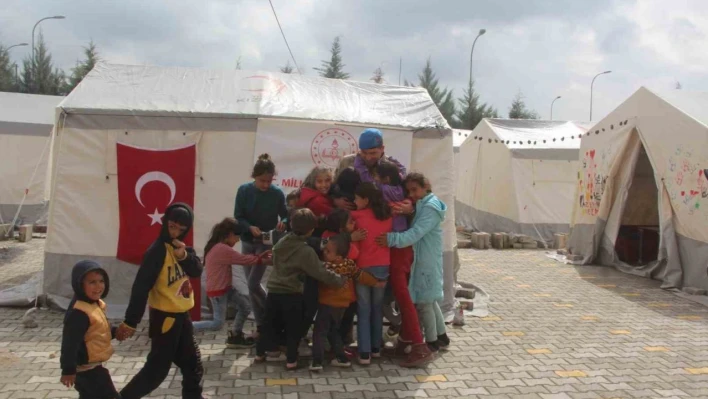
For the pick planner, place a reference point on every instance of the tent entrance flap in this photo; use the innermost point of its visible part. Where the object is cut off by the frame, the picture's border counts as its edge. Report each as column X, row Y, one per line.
column 637, row 241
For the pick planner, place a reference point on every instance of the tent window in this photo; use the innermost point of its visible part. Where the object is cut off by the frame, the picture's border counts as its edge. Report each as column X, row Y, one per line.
column 638, row 239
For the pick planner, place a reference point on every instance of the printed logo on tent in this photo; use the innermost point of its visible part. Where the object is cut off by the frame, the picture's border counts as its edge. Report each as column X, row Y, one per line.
column 269, row 85
column 331, row 145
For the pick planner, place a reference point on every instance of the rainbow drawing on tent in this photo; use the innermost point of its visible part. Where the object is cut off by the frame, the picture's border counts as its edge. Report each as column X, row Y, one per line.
column 592, row 182
column 685, row 182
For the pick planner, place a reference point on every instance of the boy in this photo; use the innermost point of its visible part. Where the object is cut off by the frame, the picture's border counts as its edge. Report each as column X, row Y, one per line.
column 163, row 283
column 86, row 340
column 334, row 301
column 292, row 258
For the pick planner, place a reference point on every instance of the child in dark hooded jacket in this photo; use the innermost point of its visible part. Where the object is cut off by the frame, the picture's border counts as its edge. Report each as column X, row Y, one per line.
column 163, row 283
column 87, row 335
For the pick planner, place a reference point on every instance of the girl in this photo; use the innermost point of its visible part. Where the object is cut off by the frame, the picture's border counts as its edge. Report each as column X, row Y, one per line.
column 260, row 207
column 374, row 216
column 426, row 280
column 315, row 190
column 219, row 255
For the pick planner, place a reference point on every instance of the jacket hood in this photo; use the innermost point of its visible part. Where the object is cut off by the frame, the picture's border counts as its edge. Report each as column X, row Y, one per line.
column 289, row 245
column 432, row 201
column 186, row 221
column 308, row 194
column 77, row 276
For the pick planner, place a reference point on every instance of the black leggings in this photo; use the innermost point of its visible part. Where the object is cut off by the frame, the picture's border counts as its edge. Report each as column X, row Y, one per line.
column 95, row 384
column 282, row 310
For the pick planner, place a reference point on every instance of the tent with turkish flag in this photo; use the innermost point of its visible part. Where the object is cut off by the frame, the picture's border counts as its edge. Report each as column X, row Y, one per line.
column 131, row 140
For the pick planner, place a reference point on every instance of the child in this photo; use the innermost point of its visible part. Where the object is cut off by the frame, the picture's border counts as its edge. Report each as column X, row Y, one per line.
column 342, row 191
column 219, row 255
column 374, row 216
column 260, row 207
column 426, row 280
column 292, row 258
column 315, row 190
column 292, row 199
column 163, row 283
column 86, row 340
column 334, row 301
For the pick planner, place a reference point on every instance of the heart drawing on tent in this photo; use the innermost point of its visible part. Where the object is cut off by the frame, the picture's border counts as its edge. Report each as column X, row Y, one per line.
column 694, row 193
column 592, row 154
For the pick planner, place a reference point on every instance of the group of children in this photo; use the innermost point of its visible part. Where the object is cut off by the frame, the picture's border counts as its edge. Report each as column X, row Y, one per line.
column 332, row 264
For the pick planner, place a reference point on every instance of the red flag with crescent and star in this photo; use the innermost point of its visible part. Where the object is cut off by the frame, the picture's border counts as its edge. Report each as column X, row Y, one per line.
column 149, row 180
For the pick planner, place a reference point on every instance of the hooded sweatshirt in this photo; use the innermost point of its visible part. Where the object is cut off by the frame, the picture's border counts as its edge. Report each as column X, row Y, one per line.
column 162, row 280
column 86, row 339
column 425, row 235
column 394, row 195
column 293, row 258
column 315, row 201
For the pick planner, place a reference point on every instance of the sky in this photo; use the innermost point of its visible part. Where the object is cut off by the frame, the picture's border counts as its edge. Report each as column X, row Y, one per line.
column 540, row 48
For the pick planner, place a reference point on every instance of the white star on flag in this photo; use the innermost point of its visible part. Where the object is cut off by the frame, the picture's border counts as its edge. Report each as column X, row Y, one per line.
column 156, row 217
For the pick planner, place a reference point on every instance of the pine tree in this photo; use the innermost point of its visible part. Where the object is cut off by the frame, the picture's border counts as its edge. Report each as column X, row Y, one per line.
column 39, row 76
column 334, row 68
column 287, row 68
column 83, row 67
column 7, row 75
column 518, row 109
column 471, row 112
column 378, row 75
column 441, row 97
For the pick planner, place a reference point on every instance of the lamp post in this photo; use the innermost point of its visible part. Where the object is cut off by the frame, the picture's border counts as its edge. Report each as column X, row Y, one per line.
column 591, row 84
column 552, row 102
column 469, row 109
column 32, row 62
column 17, row 80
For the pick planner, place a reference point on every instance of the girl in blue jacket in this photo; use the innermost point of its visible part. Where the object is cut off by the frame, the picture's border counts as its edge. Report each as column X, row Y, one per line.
column 425, row 235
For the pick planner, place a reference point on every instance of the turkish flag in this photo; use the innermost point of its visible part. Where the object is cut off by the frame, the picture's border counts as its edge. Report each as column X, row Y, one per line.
column 148, row 182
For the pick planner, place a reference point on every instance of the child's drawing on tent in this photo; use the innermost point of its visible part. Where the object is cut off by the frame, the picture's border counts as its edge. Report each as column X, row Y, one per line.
column 685, row 182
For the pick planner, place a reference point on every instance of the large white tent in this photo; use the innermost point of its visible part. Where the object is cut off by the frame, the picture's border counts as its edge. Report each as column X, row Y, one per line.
column 232, row 116
column 26, row 122
column 643, row 173
column 458, row 137
column 518, row 176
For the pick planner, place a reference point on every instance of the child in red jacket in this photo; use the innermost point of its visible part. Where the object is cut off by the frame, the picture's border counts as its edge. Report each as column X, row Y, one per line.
column 315, row 190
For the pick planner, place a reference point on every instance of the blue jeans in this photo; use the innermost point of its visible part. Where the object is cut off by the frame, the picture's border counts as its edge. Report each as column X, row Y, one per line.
column 254, row 274
column 370, row 315
column 219, row 305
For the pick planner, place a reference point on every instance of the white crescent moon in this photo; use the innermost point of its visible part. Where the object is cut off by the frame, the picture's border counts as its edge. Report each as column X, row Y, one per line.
column 155, row 176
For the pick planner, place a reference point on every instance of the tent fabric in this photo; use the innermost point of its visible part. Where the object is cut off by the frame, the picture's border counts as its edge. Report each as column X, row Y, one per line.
column 26, row 122
column 83, row 221
column 518, row 176
column 652, row 145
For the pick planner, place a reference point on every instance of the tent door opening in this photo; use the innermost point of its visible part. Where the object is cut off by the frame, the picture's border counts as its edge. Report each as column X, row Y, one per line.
column 637, row 241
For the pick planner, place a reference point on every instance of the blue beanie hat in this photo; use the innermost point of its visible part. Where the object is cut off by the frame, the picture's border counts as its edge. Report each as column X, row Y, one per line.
column 370, row 138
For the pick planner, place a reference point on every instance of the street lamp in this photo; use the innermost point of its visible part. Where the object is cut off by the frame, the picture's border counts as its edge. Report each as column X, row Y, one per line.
column 469, row 109
column 35, row 27
column 17, row 80
column 554, row 100
column 591, row 84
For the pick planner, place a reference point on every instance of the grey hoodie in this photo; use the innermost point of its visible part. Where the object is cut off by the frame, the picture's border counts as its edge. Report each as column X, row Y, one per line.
column 292, row 260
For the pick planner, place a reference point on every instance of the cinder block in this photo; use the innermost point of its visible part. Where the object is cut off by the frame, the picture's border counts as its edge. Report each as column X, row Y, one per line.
column 560, row 241
column 25, row 232
column 464, row 243
column 529, row 245
column 6, row 232
column 518, row 245
column 498, row 241
column 481, row 240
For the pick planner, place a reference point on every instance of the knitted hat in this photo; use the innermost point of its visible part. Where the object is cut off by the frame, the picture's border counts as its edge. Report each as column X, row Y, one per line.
column 370, row 138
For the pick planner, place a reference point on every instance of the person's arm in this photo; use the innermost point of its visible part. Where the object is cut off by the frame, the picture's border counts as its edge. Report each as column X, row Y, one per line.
column 236, row 258
column 282, row 208
column 391, row 193
column 363, row 171
column 191, row 264
column 240, row 208
column 148, row 272
column 315, row 269
column 427, row 220
column 75, row 326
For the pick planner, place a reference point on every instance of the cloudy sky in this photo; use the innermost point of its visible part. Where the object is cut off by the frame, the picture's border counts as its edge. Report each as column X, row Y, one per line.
column 542, row 48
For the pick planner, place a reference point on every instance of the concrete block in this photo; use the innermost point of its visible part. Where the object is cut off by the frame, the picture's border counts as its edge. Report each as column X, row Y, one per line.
column 498, row 241
column 6, row 232
column 529, row 245
column 25, row 233
column 517, row 245
column 507, row 241
column 481, row 240
column 464, row 243
column 560, row 241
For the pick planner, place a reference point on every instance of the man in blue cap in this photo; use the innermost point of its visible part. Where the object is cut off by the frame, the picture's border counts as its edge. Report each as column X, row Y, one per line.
column 371, row 151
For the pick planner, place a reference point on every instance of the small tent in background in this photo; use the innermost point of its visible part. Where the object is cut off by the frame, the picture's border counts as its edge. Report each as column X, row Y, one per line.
column 518, row 176
column 642, row 198
column 231, row 117
column 26, row 122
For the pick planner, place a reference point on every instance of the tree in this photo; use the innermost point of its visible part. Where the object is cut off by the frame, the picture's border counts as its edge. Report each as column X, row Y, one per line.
column 7, row 76
column 471, row 111
column 83, row 67
column 378, row 75
column 441, row 97
column 334, row 68
column 518, row 109
column 39, row 75
column 287, row 68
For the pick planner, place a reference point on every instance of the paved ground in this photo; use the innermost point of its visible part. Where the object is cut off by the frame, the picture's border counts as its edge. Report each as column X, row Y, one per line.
column 554, row 331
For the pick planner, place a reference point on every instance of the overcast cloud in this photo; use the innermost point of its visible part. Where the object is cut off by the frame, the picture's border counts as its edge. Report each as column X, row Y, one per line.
column 543, row 48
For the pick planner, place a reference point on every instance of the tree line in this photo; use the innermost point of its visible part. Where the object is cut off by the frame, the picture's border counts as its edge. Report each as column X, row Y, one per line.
column 38, row 75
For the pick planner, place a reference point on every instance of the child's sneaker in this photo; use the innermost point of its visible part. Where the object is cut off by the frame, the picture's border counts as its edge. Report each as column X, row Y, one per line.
column 376, row 353
column 276, row 357
column 364, row 359
column 350, row 352
column 238, row 340
column 393, row 330
column 443, row 342
column 341, row 363
column 433, row 346
column 316, row 365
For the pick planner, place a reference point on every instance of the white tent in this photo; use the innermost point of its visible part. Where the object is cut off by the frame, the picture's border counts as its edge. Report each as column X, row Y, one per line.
column 518, row 176
column 641, row 204
column 26, row 122
column 458, row 137
column 232, row 116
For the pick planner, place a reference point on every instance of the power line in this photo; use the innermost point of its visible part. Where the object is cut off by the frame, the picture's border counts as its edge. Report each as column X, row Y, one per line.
column 283, row 33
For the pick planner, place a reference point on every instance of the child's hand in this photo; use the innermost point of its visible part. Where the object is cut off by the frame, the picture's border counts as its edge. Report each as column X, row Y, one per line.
column 280, row 227
column 404, row 208
column 382, row 240
column 359, row 235
column 124, row 332
column 343, row 203
column 255, row 231
column 180, row 249
column 68, row 380
column 266, row 257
